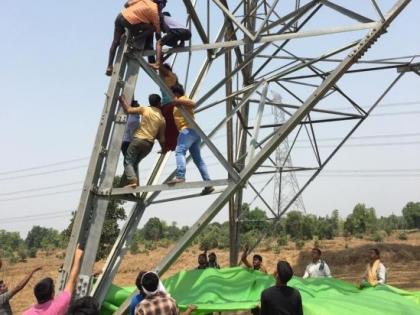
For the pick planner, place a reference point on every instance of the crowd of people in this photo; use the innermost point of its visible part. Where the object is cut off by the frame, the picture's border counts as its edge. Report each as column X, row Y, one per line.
column 153, row 299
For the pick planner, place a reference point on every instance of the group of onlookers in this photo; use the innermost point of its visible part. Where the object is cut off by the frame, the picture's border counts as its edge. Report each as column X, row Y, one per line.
column 47, row 301
column 153, row 299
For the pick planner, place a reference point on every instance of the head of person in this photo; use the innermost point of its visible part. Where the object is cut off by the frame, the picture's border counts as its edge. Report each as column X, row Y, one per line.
column 212, row 257
column 178, row 90
column 167, row 66
column 316, row 254
column 284, row 272
column 202, row 259
column 84, row 306
column 44, row 290
column 138, row 282
column 134, row 103
column 150, row 283
column 3, row 287
column 154, row 100
column 257, row 261
column 374, row 254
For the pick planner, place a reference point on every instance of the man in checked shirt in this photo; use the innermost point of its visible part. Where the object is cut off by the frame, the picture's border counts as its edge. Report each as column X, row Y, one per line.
column 157, row 302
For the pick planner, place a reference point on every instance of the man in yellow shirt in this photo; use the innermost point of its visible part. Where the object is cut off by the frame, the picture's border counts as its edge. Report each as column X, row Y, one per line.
column 152, row 126
column 188, row 140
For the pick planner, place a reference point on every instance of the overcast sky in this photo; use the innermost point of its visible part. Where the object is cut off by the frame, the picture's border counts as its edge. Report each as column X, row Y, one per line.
column 53, row 59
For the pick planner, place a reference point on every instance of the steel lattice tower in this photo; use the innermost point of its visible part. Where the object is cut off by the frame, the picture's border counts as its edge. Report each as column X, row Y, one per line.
column 260, row 46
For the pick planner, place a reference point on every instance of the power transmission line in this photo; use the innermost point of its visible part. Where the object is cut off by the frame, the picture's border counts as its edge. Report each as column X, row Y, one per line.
column 40, row 195
column 40, row 188
column 44, row 173
column 38, row 215
column 42, row 166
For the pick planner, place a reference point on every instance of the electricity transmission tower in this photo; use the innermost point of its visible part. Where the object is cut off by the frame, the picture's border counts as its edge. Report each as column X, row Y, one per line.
column 310, row 51
column 286, row 185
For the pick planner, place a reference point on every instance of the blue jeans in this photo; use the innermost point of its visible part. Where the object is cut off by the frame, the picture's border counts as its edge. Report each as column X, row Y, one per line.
column 188, row 139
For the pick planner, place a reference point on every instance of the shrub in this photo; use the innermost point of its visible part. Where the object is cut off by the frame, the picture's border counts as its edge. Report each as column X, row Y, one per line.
column 32, row 252
column 150, row 245
column 299, row 244
column 22, row 254
column 164, row 243
column 377, row 237
column 282, row 240
column 403, row 236
column 134, row 248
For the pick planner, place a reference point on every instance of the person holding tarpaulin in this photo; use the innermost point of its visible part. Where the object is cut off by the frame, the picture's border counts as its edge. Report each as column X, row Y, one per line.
column 375, row 271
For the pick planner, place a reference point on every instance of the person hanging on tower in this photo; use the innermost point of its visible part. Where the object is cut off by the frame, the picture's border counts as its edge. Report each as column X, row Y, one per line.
column 152, row 126
column 142, row 18
column 171, row 132
column 188, row 140
column 175, row 36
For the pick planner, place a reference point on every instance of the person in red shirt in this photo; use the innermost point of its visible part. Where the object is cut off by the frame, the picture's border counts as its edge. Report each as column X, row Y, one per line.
column 137, row 16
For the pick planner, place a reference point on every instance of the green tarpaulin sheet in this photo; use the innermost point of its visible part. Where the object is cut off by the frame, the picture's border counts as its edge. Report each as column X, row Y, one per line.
column 237, row 288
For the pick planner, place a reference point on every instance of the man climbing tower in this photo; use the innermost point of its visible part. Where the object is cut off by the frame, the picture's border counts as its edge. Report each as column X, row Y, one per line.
column 142, row 19
column 152, row 126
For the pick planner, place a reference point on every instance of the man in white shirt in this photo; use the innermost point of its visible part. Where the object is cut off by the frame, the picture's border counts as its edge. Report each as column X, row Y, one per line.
column 133, row 121
column 318, row 268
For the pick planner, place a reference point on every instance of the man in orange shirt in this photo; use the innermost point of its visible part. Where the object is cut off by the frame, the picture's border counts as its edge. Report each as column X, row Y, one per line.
column 137, row 16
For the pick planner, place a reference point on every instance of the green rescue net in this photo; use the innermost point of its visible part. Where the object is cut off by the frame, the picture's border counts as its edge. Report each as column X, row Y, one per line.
column 231, row 289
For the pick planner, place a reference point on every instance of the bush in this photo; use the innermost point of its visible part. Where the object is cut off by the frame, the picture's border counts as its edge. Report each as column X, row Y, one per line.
column 32, row 252
column 134, row 248
column 317, row 243
column 299, row 244
column 402, row 236
column 150, row 245
column 282, row 240
column 22, row 254
column 377, row 237
column 164, row 243
column 267, row 244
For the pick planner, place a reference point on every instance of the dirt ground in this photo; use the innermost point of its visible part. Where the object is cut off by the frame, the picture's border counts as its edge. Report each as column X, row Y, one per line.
column 346, row 258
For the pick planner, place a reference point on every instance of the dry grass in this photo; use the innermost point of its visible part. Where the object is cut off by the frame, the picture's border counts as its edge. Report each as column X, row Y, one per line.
column 346, row 258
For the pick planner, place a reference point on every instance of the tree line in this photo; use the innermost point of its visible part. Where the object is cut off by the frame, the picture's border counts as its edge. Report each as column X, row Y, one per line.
column 294, row 227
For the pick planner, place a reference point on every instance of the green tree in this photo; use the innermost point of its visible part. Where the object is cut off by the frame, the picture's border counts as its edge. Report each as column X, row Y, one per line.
column 153, row 229
column 252, row 220
column 294, row 224
column 9, row 240
column 411, row 214
column 43, row 238
column 173, row 232
column 363, row 220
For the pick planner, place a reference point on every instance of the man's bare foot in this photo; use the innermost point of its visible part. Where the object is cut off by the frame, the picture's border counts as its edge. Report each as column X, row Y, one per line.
column 109, row 71
column 133, row 183
column 155, row 65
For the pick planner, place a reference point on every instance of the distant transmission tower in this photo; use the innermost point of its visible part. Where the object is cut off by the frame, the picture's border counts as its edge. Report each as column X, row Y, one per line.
column 286, row 185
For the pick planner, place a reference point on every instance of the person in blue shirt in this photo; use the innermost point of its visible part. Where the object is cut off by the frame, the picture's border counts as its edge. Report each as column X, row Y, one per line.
column 138, row 297
column 141, row 295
